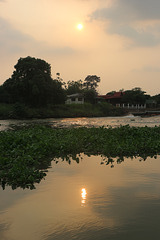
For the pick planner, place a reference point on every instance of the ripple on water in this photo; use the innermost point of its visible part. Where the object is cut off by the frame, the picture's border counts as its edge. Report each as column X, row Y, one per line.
column 85, row 122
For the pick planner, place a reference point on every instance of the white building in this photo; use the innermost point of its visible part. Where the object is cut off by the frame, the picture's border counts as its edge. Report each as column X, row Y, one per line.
column 76, row 98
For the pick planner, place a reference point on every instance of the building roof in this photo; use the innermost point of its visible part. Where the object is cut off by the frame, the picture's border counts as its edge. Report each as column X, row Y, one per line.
column 75, row 95
column 112, row 95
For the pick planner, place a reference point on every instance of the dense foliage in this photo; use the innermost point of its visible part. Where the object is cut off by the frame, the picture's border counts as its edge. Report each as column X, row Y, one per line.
column 156, row 98
column 25, row 151
column 73, row 87
column 91, row 82
column 31, row 84
column 135, row 96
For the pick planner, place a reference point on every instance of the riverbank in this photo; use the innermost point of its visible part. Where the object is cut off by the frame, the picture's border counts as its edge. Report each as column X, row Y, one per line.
column 20, row 111
column 147, row 112
column 25, row 154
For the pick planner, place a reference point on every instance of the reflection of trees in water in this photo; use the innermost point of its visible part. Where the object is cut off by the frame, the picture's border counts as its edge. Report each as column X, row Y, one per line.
column 29, row 181
column 30, row 184
column 105, row 160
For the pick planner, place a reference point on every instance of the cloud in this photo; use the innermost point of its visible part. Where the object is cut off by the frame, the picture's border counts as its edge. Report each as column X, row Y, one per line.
column 147, row 69
column 143, row 9
column 137, row 20
column 130, row 10
column 13, row 41
column 15, row 44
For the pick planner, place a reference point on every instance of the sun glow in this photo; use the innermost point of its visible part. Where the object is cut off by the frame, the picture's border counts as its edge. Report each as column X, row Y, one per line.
column 80, row 26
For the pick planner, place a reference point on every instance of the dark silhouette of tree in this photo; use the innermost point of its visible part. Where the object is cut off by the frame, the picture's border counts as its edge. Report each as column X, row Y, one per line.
column 90, row 96
column 156, row 98
column 74, row 87
column 91, row 82
column 134, row 96
column 31, row 83
column 90, row 88
column 111, row 93
column 4, row 96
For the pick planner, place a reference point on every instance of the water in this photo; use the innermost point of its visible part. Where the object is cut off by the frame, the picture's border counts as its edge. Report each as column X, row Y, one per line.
column 85, row 122
column 87, row 201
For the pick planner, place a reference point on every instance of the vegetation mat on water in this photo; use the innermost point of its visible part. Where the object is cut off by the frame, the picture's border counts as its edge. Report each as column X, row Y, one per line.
column 26, row 153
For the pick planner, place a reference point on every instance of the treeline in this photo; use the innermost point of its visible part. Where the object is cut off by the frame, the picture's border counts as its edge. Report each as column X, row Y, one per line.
column 31, row 84
column 137, row 96
column 31, row 92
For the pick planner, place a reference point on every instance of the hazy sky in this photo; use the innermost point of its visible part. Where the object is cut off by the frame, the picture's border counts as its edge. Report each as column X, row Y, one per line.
column 120, row 41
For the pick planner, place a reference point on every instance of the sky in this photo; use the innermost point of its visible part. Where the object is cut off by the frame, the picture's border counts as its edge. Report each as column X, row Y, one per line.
column 119, row 42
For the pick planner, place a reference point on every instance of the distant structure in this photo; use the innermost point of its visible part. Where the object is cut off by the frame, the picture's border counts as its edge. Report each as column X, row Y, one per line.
column 115, row 98
column 76, row 98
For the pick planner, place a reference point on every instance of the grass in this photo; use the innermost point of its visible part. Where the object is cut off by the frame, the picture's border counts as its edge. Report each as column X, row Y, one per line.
column 20, row 111
column 5, row 110
column 26, row 153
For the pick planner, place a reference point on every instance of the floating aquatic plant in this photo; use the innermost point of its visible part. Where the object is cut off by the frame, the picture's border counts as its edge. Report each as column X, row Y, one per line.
column 26, row 153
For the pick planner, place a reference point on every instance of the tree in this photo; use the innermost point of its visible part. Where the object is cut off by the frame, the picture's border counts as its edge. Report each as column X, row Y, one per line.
column 156, row 98
column 134, row 96
column 91, row 82
column 111, row 93
column 90, row 96
column 90, row 88
column 31, row 83
column 4, row 96
column 74, row 87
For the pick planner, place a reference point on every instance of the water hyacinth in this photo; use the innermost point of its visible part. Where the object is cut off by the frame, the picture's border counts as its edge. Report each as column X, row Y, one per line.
column 26, row 153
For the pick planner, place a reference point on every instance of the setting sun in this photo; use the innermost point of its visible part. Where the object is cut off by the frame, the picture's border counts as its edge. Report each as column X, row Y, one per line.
column 80, row 26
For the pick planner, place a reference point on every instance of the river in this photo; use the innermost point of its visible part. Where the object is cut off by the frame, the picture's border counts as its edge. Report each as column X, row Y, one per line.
column 85, row 122
column 89, row 200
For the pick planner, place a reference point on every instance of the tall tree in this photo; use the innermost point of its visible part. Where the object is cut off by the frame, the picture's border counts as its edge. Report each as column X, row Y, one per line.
column 31, row 83
column 90, row 88
column 90, row 96
column 91, row 82
column 74, row 87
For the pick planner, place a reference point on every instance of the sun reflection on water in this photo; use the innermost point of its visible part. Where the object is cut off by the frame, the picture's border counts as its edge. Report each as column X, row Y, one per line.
column 83, row 197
